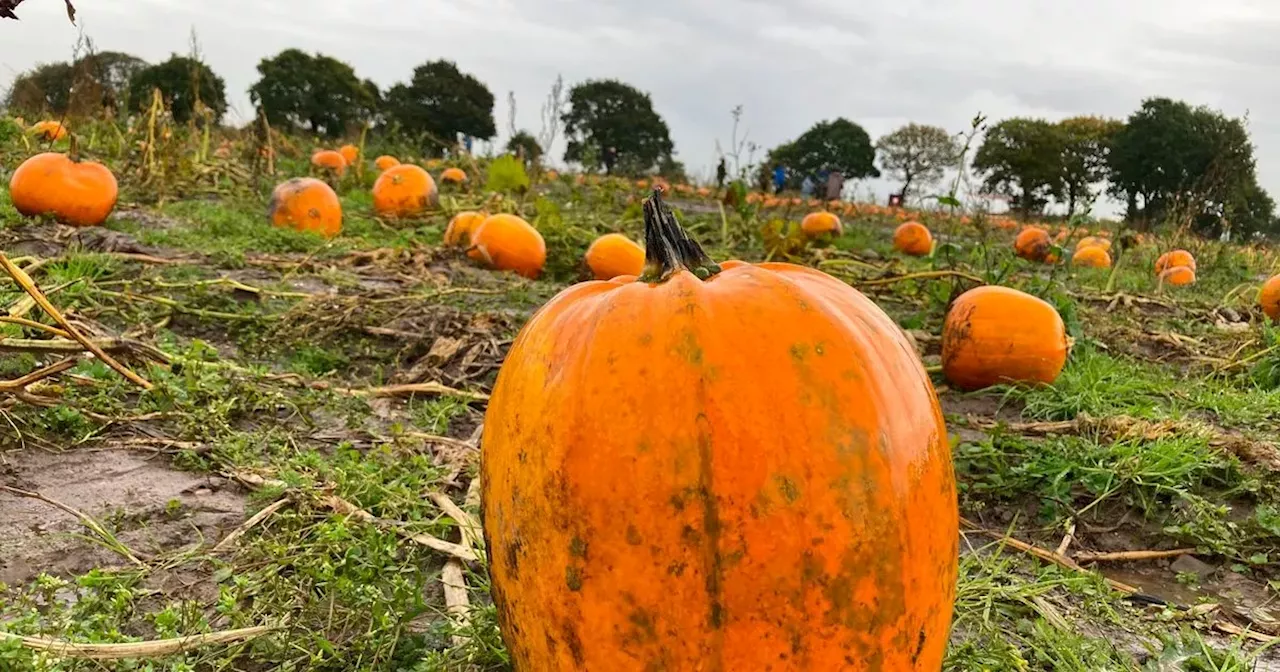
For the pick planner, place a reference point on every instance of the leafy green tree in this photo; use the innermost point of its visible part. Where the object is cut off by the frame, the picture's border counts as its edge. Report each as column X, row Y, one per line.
column 182, row 82
column 917, row 153
column 525, row 146
column 318, row 94
column 839, row 145
column 97, row 82
column 1086, row 142
column 442, row 102
column 617, row 124
column 1021, row 158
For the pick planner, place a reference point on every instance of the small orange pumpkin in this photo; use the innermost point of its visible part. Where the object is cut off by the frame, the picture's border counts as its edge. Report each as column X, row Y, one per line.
column 995, row 335
column 49, row 130
column 1089, row 241
column 614, row 254
column 350, row 153
column 306, row 204
column 1033, row 243
column 819, row 223
column 771, row 489
column 1175, row 259
column 453, row 176
column 463, row 224
column 1269, row 298
column 1091, row 256
column 405, row 190
column 508, row 243
column 385, row 162
column 913, row 238
column 552, row 175
column 327, row 159
column 1178, row 276
column 79, row 193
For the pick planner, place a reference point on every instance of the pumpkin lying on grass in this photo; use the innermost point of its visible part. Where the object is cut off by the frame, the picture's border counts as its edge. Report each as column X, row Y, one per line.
column 1178, row 276
column 349, row 153
column 1033, row 244
column 614, row 254
column 405, row 190
column 453, row 176
column 48, row 131
column 329, row 160
column 508, row 243
column 821, row 223
column 728, row 467
column 914, row 239
column 1091, row 256
column 306, row 204
column 1269, row 297
column 995, row 335
column 458, row 233
column 1175, row 259
column 385, row 162
column 79, row 193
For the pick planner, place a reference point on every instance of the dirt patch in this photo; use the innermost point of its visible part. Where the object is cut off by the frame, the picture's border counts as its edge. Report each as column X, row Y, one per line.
column 151, row 507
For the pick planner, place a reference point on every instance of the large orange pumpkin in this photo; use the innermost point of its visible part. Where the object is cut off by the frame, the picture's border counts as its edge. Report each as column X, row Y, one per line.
column 1089, row 241
column 614, row 254
column 995, row 335
column 913, row 238
column 405, row 190
column 327, row 159
column 819, row 223
column 1033, row 243
column 768, row 487
column 508, row 243
column 306, row 204
column 48, row 130
column 385, row 162
column 1091, row 256
column 1175, row 259
column 349, row 153
column 453, row 176
column 1269, row 297
column 1178, row 276
column 463, row 224
column 79, row 193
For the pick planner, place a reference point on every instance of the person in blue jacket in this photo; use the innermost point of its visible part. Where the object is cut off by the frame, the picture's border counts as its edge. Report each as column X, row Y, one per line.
column 779, row 178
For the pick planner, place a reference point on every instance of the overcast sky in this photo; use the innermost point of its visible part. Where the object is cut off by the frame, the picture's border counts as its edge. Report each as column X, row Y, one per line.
column 790, row 63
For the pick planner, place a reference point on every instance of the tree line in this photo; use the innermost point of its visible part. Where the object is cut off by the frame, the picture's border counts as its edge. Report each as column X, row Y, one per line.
column 1168, row 161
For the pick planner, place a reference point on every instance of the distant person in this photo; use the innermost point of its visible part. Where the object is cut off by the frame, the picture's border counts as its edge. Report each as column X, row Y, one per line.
column 806, row 187
column 835, row 185
column 779, row 179
column 610, row 159
column 722, row 172
column 466, row 142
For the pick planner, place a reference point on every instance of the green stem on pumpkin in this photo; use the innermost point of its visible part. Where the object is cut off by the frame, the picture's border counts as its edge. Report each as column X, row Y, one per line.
column 668, row 249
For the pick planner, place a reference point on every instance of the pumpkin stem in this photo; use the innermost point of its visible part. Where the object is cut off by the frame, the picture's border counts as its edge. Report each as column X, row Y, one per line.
column 73, row 152
column 668, row 248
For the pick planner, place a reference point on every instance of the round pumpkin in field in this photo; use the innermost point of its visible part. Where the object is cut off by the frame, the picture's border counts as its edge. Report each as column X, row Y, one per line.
column 453, row 176
column 349, row 153
column 405, row 190
column 1090, row 241
column 508, row 243
column 385, row 162
column 821, row 223
column 995, row 335
column 48, row 130
column 913, row 238
column 717, row 466
column 306, row 204
column 1091, row 256
column 1269, row 298
column 1178, row 276
column 614, row 254
column 79, row 193
column 463, row 224
column 1175, row 259
column 327, row 159
column 1033, row 243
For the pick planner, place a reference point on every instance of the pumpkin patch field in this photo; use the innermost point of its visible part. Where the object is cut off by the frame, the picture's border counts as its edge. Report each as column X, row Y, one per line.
column 340, row 406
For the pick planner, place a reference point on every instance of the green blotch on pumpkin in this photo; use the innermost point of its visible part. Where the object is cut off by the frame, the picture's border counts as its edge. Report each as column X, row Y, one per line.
column 573, row 578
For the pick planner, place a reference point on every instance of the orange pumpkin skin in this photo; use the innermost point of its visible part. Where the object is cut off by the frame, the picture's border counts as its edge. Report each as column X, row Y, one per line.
column 1269, row 297
column 693, row 525
column 327, row 159
column 1033, row 243
column 349, row 153
column 306, row 204
column 453, row 176
column 1089, row 241
column 995, row 335
column 79, row 193
column 49, row 130
column 818, row 223
column 614, row 254
column 508, row 243
column 405, row 190
column 463, row 224
column 1091, row 256
column 385, row 162
column 1178, row 276
column 1175, row 259
column 913, row 238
